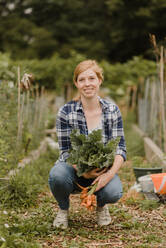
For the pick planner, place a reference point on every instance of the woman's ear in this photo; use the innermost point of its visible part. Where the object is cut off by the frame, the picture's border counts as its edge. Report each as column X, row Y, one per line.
column 75, row 83
column 100, row 81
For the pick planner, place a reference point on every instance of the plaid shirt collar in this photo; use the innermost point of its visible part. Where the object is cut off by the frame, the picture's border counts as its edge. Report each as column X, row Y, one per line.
column 104, row 105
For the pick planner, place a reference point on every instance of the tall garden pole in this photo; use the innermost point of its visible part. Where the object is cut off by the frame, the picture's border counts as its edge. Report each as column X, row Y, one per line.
column 41, row 104
column 162, row 107
column 36, row 106
column 18, row 106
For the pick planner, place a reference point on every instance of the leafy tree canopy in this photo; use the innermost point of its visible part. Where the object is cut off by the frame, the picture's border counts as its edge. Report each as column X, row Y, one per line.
column 110, row 29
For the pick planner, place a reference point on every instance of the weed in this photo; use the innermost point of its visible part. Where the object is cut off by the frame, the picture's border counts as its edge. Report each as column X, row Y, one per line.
column 120, row 213
column 151, row 238
column 148, row 204
column 164, row 212
column 22, row 188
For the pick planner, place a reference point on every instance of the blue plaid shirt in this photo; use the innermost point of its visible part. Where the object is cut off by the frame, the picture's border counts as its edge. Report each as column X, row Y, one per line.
column 71, row 116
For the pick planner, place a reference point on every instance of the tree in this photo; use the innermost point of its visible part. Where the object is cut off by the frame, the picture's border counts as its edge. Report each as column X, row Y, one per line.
column 110, row 29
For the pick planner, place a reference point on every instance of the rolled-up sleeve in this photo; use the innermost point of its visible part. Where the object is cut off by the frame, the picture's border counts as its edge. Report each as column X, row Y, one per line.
column 118, row 131
column 63, row 131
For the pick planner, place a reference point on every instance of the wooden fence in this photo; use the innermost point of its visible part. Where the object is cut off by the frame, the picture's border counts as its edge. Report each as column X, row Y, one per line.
column 32, row 109
column 152, row 111
column 149, row 100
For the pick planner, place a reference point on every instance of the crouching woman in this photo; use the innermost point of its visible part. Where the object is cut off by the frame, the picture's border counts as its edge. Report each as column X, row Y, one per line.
column 89, row 112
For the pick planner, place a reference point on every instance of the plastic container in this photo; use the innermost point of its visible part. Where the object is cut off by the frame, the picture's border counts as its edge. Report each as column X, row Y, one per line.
column 145, row 171
column 146, row 184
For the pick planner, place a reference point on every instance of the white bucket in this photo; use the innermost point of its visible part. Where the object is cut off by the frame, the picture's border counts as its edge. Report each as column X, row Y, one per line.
column 146, row 184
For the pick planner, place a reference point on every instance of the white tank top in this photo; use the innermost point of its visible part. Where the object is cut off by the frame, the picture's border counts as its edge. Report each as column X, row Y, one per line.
column 99, row 126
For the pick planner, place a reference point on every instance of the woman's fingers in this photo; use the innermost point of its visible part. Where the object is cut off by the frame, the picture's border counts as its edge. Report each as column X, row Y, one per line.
column 101, row 172
column 74, row 166
column 94, row 173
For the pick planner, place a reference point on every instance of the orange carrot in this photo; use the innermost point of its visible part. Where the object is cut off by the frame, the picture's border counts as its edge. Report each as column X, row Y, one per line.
column 88, row 199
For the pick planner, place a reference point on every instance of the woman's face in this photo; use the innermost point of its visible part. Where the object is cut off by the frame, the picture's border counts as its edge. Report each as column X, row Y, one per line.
column 88, row 83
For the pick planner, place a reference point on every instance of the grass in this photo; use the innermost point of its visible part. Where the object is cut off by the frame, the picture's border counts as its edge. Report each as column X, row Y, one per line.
column 130, row 226
column 32, row 127
column 21, row 190
column 27, row 222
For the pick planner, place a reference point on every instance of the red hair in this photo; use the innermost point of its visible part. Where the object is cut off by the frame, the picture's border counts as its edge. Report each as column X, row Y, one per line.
column 88, row 64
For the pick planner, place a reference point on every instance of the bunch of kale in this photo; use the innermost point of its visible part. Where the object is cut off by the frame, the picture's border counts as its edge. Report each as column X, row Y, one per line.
column 89, row 152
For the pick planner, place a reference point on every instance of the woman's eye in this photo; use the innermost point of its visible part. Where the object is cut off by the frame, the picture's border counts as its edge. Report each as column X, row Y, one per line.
column 81, row 79
column 92, row 78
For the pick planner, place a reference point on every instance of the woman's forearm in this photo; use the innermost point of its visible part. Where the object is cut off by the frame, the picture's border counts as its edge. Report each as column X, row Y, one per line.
column 118, row 161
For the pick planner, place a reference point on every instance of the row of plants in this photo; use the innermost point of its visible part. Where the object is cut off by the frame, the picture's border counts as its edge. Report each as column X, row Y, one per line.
column 24, row 118
column 56, row 72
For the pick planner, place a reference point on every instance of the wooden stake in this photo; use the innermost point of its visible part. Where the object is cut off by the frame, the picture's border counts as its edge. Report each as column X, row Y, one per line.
column 36, row 107
column 18, row 106
column 162, row 107
column 152, row 118
column 22, row 116
column 133, row 104
column 160, row 121
column 41, row 105
column 27, row 105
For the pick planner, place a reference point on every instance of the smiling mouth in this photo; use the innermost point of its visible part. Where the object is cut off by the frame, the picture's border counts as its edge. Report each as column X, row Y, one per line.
column 88, row 90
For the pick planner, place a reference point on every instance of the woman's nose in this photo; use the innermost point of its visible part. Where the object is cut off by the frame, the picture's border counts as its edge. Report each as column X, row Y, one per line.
column 87, row 81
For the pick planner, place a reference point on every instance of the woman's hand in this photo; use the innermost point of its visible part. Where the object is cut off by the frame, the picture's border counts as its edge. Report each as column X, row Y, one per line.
column 102, row 180
column 74, row 166
column 94, row 173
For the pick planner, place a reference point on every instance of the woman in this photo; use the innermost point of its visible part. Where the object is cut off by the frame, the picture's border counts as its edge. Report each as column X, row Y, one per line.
column 87, row 113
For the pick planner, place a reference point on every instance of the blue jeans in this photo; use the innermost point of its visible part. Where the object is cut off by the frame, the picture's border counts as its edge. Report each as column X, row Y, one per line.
column 62, row 182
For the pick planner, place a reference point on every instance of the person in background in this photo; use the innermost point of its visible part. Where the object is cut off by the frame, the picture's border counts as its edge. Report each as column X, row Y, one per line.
column 87, row 113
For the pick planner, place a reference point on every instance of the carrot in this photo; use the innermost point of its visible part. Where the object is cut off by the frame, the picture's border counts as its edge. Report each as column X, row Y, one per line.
column 82, row 196
column 88, row 199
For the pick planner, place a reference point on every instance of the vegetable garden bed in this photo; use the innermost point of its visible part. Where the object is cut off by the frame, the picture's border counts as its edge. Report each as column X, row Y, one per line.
column 27, row 221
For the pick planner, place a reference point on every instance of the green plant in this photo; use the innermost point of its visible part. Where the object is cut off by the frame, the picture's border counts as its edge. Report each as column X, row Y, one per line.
column 140, row 162
column 23, row 187
column 89, row 152
column 119, row 76
column 148, row 204
column 32, row 125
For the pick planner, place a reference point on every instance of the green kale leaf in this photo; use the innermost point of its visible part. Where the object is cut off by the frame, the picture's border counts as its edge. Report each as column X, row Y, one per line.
column 89, row 152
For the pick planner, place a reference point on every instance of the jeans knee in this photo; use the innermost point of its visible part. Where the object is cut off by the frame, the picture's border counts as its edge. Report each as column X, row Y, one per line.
column 55, row 180
column 56, row 177
column 108, row 197
column 116, row 197
column 61, row 174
